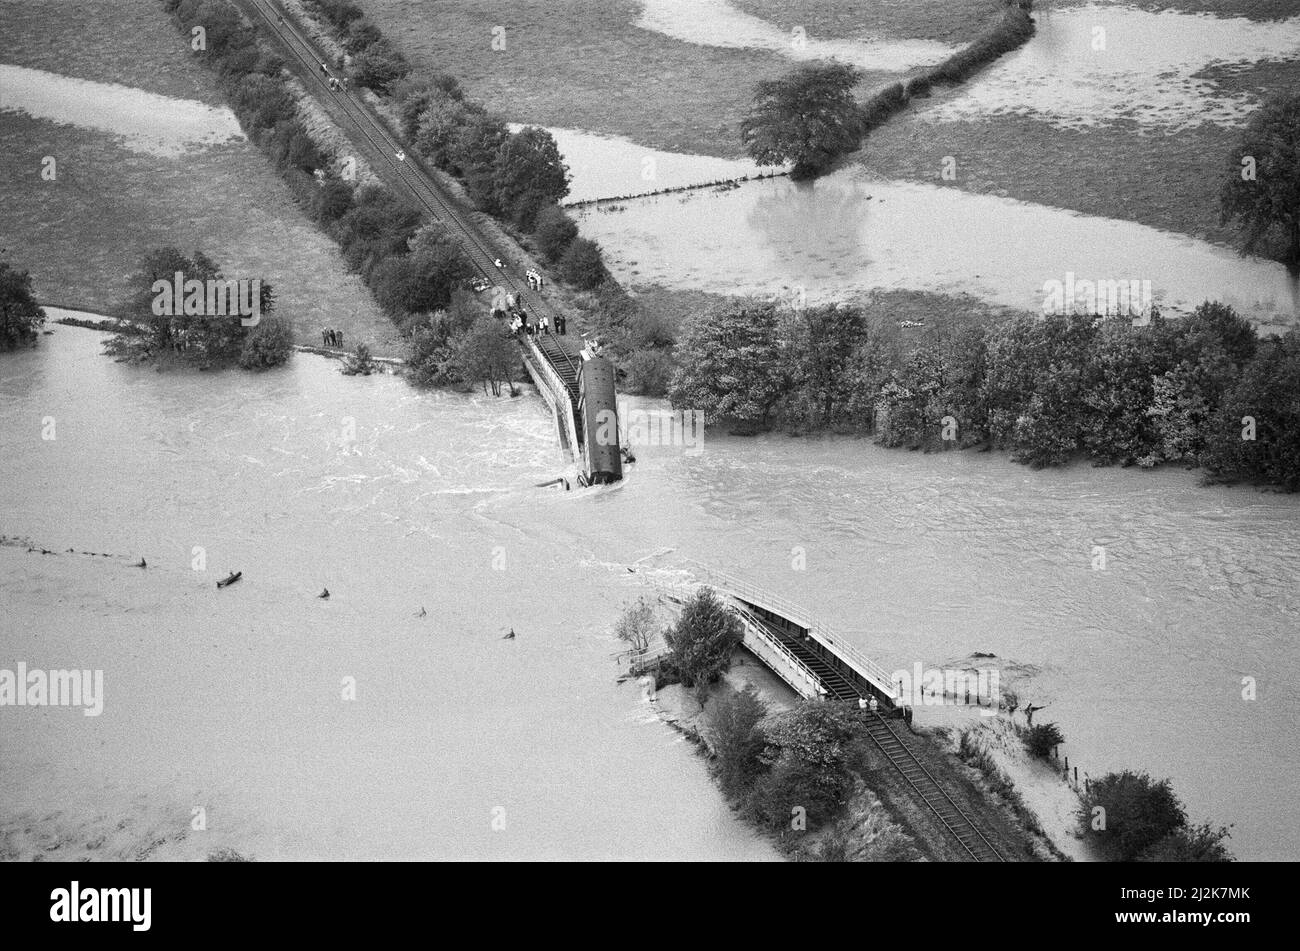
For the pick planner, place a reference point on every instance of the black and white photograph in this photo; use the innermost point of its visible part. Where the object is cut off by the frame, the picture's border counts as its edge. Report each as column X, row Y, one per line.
column 651, row 431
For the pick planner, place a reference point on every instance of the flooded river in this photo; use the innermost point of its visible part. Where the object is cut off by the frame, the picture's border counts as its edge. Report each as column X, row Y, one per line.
column 397, row 500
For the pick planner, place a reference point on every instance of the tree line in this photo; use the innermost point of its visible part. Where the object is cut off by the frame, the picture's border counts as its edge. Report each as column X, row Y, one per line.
column 1199, row 390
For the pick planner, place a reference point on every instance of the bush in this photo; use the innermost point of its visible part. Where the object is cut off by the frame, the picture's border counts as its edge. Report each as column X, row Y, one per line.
column 332, row 201
column 1203, row 843
column 737, row 741
column 360, row 363
column 379, row 66
column 703, row 639
column 554, row 231
column 269, row 344
column 582, row 265
column 813, row 750
column 1040, row 740
column 1137, row 812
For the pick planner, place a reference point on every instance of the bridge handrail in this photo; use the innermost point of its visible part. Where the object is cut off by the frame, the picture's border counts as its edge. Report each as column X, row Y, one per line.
column 560, row 393
column 797, row 613
column 753, row 625
column 684, row 592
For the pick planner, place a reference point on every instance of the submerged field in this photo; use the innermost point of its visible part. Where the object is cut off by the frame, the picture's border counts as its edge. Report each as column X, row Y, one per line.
column 82, row 235
column 1143, row 130
column 587, row 65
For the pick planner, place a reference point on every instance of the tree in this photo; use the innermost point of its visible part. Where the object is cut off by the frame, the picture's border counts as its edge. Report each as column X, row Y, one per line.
column 808, row 117
column 1255, row 435
column 472, row 152
column 421, row 281
column 438, row 126
column 486, row 353
column 730, row 363
column 415, row 97
column 703, row 640
column 377, row 225
column 529, row 175
column 554, row 231
column 583, row 265
column 638, row 625
column 737, row 741
column 1135, row 813
column 20, row 316
column 827, row 341
column 1262, row 191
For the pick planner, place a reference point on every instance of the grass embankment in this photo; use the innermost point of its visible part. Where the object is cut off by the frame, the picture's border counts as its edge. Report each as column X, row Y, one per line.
column 83, row 235
column 575, row 64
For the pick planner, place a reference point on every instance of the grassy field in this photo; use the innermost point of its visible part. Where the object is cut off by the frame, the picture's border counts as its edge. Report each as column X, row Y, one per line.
column 1251, row 9
column 582, row 64
column 1166, row 179
column 954, row 22
column 129, row 42
column 82, row 236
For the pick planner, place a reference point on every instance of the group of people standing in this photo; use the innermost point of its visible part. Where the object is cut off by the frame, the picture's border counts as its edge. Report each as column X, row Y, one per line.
column 519, row 323
column 534, row 278
column 329, row 337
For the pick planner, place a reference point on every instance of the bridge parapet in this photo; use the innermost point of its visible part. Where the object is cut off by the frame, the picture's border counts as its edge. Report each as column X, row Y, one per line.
column 835, row 643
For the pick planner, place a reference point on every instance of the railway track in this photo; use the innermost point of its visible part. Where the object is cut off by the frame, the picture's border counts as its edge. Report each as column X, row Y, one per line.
column 374, row 137
column 926, row 788
column 922, row 784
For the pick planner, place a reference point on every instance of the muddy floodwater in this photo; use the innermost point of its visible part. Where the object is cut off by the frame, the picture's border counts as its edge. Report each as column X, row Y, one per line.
column 147, row 122
column 850, row 232
column 398, row 500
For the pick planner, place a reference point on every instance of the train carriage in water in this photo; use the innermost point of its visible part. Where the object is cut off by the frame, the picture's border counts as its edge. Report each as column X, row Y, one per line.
column 598, row 408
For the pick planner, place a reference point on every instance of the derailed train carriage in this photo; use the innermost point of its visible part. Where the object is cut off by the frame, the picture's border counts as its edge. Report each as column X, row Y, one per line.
column 598, row 409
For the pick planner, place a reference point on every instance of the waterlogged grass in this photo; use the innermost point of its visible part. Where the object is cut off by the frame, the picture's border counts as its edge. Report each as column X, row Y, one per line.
column 129, row 42
column 83, row 235
column 952, row 21
column 1169, row 180
column 583, row 65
